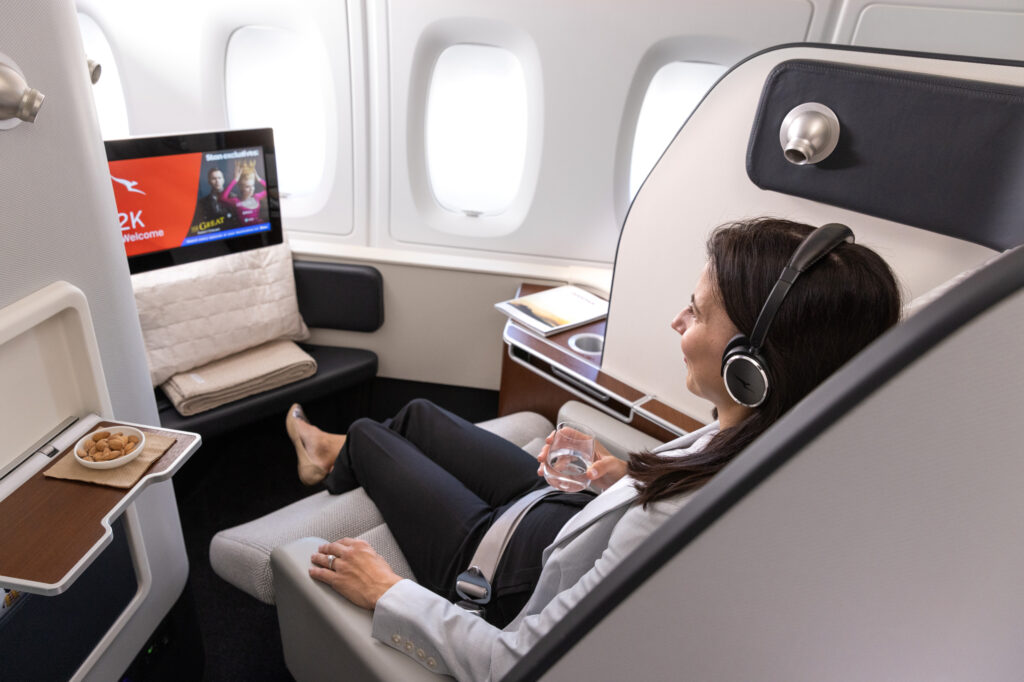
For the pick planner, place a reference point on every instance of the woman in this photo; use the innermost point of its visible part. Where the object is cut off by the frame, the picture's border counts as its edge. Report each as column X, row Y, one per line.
column 439, row 482
column 249, row 204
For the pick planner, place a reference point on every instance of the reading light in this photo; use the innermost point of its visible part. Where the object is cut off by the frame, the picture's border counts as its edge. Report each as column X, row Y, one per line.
column 94, row 70
column 18, row 102
column 809, row 133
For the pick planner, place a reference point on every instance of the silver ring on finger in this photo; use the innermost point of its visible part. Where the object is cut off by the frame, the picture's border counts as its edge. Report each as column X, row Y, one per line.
column 330, row 562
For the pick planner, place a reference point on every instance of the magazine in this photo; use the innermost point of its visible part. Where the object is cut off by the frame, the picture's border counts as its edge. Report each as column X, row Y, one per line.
column 554, row 310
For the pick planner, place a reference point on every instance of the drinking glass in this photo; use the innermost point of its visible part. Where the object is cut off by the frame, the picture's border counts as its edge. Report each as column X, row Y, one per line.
column 571, row 453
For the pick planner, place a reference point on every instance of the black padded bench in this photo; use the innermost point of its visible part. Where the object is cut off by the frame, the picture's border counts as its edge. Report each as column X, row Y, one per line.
column 331, row 296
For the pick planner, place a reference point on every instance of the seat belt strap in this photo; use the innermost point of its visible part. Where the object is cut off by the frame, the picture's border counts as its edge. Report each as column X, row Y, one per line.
column 474, row 584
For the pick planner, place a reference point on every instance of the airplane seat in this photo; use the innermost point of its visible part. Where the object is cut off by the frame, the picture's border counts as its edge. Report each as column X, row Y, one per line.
column 312, row 620
column 887, row 442
column 241, row 554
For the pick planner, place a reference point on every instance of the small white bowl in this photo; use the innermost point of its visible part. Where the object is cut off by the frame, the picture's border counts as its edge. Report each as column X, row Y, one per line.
column 112, row 463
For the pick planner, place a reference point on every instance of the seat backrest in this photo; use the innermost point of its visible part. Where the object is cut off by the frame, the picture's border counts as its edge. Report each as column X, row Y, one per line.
column 872, row 533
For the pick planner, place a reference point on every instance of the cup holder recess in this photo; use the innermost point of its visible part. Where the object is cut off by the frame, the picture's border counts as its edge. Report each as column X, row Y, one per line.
column 587, row 343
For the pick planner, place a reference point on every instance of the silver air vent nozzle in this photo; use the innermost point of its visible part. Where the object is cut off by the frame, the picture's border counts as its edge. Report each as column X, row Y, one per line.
column 809, row 133
column 17, row 100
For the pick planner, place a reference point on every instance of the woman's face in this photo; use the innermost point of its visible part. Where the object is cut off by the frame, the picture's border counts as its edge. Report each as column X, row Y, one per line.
column 247, row 188
column 705, row 330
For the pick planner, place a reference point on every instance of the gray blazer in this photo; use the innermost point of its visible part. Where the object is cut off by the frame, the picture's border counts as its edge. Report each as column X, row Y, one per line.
column 450, row 640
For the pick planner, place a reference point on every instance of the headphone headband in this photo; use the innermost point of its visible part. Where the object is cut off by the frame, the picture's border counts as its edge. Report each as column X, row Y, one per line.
column 813, row 248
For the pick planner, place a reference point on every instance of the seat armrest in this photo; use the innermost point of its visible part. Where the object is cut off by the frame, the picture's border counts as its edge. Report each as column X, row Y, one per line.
column 324, row 636
column 619, row 438
column 520, row 428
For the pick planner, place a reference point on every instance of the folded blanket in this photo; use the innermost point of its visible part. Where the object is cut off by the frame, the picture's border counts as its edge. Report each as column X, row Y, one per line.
column 243, row 374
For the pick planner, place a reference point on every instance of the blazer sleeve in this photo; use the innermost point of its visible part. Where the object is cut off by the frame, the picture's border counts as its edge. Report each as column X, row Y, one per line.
column 450, row 640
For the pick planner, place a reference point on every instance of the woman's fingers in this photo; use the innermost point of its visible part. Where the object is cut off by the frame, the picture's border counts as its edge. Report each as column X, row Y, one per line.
column 543, row 456
column 330, row 548
column 606, row 471
column 338, row 550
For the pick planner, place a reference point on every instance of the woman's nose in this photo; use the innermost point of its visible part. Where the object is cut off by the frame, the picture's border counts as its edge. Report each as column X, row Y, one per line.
column 679, row 322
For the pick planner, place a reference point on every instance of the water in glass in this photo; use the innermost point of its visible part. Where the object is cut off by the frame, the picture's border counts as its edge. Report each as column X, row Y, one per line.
column 566, row 469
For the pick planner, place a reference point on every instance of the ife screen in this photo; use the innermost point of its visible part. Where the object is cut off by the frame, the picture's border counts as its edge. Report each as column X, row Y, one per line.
column 185, row 197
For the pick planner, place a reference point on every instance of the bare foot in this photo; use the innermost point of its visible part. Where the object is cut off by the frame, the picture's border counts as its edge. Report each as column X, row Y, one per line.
column 322, row 447
column 315, row 449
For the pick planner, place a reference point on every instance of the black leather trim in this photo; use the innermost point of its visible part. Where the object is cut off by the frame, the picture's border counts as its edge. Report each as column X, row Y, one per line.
column 340, row 296
column 943, row 154
column 868, row 371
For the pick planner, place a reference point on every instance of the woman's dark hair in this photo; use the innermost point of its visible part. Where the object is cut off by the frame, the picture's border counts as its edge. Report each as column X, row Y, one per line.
column 834, row 309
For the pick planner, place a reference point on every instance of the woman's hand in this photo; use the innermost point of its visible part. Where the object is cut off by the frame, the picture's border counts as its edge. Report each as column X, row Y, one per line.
column 238, row 170
column 359, row 574
column 606, row 469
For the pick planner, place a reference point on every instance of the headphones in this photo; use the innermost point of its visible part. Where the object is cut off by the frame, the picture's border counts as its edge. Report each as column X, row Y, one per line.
column 744, row 370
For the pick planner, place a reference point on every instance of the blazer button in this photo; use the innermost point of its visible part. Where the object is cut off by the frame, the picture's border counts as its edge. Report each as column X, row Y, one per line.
column 421, row 653
column 397, row 639
column 431, row 662
column 408, row 645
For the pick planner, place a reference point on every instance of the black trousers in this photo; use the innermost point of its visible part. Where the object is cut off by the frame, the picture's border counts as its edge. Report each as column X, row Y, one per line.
column 440, row 482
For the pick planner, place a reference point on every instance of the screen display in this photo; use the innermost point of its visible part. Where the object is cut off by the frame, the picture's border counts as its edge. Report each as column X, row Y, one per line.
column 186, row 197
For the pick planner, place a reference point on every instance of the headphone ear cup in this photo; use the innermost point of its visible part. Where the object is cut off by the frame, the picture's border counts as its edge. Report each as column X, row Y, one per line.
column 744, row 372
column 737, row 344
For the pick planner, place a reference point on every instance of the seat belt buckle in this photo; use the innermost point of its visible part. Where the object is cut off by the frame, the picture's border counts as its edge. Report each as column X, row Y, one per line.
column 475, row 609
column 473, row 587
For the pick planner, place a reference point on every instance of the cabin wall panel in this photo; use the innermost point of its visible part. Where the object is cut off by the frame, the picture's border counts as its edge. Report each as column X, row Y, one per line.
column 993, row 28
column 823, row 20
column 587, row 93
column 172, row 61
column 59, row 220
column 440, row 326
column 59, row 223
column 581, row 89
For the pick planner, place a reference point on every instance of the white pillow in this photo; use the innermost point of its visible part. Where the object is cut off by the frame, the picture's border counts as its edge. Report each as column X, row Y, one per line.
column 195, row 313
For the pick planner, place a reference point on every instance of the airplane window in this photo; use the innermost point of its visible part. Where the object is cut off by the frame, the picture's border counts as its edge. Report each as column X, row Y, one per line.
column 476, row 129
column 675, row 91
column 107, row 92
column 273, row 78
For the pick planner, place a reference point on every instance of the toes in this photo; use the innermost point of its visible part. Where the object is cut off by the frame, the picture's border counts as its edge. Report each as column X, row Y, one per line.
column 297, row 413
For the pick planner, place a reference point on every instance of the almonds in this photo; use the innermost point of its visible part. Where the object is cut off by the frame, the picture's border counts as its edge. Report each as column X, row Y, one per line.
column 105, row 446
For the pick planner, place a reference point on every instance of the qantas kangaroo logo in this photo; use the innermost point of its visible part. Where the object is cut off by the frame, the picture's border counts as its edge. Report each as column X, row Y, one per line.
column 128, row 184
